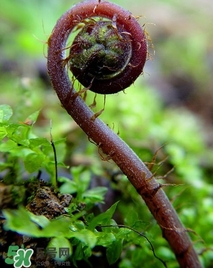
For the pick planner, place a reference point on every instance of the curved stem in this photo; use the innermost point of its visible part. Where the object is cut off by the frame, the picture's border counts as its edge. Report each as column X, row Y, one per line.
column 130, row 164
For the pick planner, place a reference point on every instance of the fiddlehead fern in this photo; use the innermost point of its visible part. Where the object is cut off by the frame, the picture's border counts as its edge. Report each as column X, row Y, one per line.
column 124, row 26
column 100, row 55
column 109, row 52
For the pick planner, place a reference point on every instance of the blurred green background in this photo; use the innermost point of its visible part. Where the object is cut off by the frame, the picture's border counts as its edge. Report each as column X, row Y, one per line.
column 170, row 105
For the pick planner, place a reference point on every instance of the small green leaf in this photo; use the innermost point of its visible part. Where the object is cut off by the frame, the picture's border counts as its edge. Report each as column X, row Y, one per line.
column 58, row 227
column 87, row 237
column 3, row 132
column 33, row 117
column 23, row 222
column 96, row 194
column 131, row 217
column 5, row 113
column 8, row 146
column 19, row 133
column 37, row 142
column 113, row 252
column 68, row 186
column 105, row 239
column 81, row 252
column 103, row 218
column 33, row 162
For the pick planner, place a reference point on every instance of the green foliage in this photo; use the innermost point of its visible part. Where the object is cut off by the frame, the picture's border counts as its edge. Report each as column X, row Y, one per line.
column 25, row 151
column 80, row 184
column 77, row 235
column 80, row 230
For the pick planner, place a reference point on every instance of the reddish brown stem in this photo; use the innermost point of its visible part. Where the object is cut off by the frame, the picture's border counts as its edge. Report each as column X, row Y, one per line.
column 114, row 147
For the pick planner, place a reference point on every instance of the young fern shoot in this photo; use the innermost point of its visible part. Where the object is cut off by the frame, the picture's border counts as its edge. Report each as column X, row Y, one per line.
column 106, row 56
